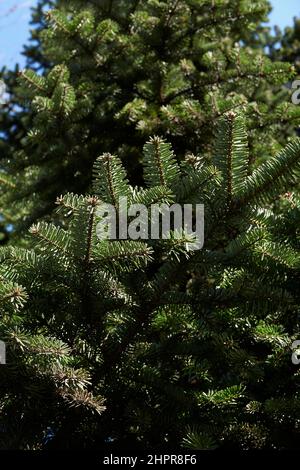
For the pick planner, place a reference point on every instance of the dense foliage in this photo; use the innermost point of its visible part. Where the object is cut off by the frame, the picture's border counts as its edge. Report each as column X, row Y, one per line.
column 149, row 343
column 109, row 74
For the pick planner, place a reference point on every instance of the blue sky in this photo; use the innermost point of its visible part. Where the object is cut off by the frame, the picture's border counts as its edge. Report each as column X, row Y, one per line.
column 14, row 29
column 15, row 15
column 284, row 11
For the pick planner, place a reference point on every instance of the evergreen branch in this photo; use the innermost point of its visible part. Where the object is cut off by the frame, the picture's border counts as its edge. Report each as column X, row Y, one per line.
column 122, row 256
column 6, row 181
column 93, row 201
column 272, row 177
column 70, row 202
column 55, row 238
column 160, row 166
column 83, row 399
column 35, row 81
column 110, row 181
column 231, row 154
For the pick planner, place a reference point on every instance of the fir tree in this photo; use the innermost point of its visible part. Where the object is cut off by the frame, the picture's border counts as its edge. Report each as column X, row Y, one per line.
column 289, row 41
column 106, row 75
column 148, row 343
column 281, row 46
